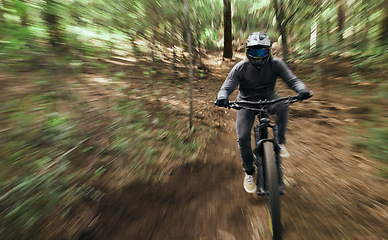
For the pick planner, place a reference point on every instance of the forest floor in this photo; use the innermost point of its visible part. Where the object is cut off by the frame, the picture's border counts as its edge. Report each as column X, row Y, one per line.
column 333, row 191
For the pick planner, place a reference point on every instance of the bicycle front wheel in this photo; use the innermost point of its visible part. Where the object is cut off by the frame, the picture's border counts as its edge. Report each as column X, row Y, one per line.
column 271, row 180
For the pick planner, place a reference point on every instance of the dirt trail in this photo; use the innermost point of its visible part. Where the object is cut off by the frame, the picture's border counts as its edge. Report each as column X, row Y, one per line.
column 193, row 204
column 331, row 191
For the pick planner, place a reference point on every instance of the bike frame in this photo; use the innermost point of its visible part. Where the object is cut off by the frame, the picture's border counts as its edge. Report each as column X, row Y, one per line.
column 261, row 133
column 263, row 153
column 261, row 136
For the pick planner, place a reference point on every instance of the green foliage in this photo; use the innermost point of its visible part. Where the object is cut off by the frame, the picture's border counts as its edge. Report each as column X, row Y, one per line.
column 377, row 145
column 35, row 194
column 382, row 91
column 85, row 29
column 374, row 145
column 36, row 176
column 143, row 136
column 59, row 128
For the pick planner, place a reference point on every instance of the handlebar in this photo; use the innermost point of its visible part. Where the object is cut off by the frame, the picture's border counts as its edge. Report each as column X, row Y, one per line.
column 257, row 105
column 289, row 99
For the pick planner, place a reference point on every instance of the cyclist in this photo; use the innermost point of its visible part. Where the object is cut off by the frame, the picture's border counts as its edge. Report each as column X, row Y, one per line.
column 256, row 78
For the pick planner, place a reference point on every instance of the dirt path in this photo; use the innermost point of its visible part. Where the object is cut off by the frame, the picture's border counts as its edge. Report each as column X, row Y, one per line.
column 331, row 191
column 191, row 205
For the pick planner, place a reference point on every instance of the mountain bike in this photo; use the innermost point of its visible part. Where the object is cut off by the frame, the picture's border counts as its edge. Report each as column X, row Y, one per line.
column 267, row 157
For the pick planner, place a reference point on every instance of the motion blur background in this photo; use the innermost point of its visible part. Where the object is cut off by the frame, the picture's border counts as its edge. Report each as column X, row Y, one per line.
column 84, row 105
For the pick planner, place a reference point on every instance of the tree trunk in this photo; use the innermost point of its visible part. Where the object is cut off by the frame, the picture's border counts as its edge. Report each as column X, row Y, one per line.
column 228, row 49
column 50, row 16
column 153, row 49
column 384, row 27
column 23, row 14
column 174, row 55
column 363, row 43
column 284, row 43
column 190, row 62
column 281, row 23
column 1, row 12
column 135, row 48
column 341, row 20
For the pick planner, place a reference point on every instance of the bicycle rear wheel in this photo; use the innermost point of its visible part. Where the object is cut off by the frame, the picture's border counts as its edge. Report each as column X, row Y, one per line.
column 271, row 180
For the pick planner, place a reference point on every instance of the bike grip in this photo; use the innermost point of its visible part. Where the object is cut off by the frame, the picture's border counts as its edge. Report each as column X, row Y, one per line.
column 311, row 95
column 215, row 103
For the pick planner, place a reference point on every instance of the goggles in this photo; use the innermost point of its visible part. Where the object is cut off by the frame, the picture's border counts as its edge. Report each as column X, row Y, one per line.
column 258, row 53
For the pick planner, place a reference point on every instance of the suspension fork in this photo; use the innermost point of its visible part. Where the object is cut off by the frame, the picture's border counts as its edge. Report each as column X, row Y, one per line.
column 277, row 151
column 259, row 132
column 261, row 136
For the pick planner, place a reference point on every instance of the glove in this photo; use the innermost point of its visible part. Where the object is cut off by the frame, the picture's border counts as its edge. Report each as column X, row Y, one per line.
column 304, row 94
column 222, row 102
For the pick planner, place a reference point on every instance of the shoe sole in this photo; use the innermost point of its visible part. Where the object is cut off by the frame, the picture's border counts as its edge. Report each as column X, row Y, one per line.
column 285, row 155
column 250, row 191
column 262, row 193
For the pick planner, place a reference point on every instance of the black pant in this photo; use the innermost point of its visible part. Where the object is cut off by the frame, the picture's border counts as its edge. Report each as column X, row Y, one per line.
column 244, row 124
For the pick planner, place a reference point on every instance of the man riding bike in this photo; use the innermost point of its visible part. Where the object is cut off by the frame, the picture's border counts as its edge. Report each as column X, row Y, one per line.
column 256, row 78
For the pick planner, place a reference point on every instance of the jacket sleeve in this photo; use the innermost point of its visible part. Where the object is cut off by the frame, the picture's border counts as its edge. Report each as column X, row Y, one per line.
column 230, row 84
column 289, row 77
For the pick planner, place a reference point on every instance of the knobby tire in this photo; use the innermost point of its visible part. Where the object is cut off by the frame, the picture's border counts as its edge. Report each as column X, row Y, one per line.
column 271, row 180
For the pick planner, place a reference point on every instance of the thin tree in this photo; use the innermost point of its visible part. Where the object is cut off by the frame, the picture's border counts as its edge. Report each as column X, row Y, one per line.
column 22, row 10
column 384, row 32
column 228, row 49
column 341, row 20
column 282, row 25
column 188, row 34
column 2, row 7
column 52, row 21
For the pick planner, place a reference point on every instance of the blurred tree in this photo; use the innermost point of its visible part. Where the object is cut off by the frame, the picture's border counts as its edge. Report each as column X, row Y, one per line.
column 228, row 49
column 22, row 9
column 251, row 17
column 189, row 34
column 51, row 18
column 157, row 27
column 384, row 30
column 2, row 20
column 341, row 19
column 282, row 23
column 363, row 39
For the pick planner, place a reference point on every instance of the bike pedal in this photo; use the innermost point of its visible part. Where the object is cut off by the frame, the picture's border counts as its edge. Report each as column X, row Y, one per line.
column 281, row 190
column 261, row 192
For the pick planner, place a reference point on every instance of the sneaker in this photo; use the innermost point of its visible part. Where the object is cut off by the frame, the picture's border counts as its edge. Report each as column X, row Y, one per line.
column 283, row 151
column 249, row 184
